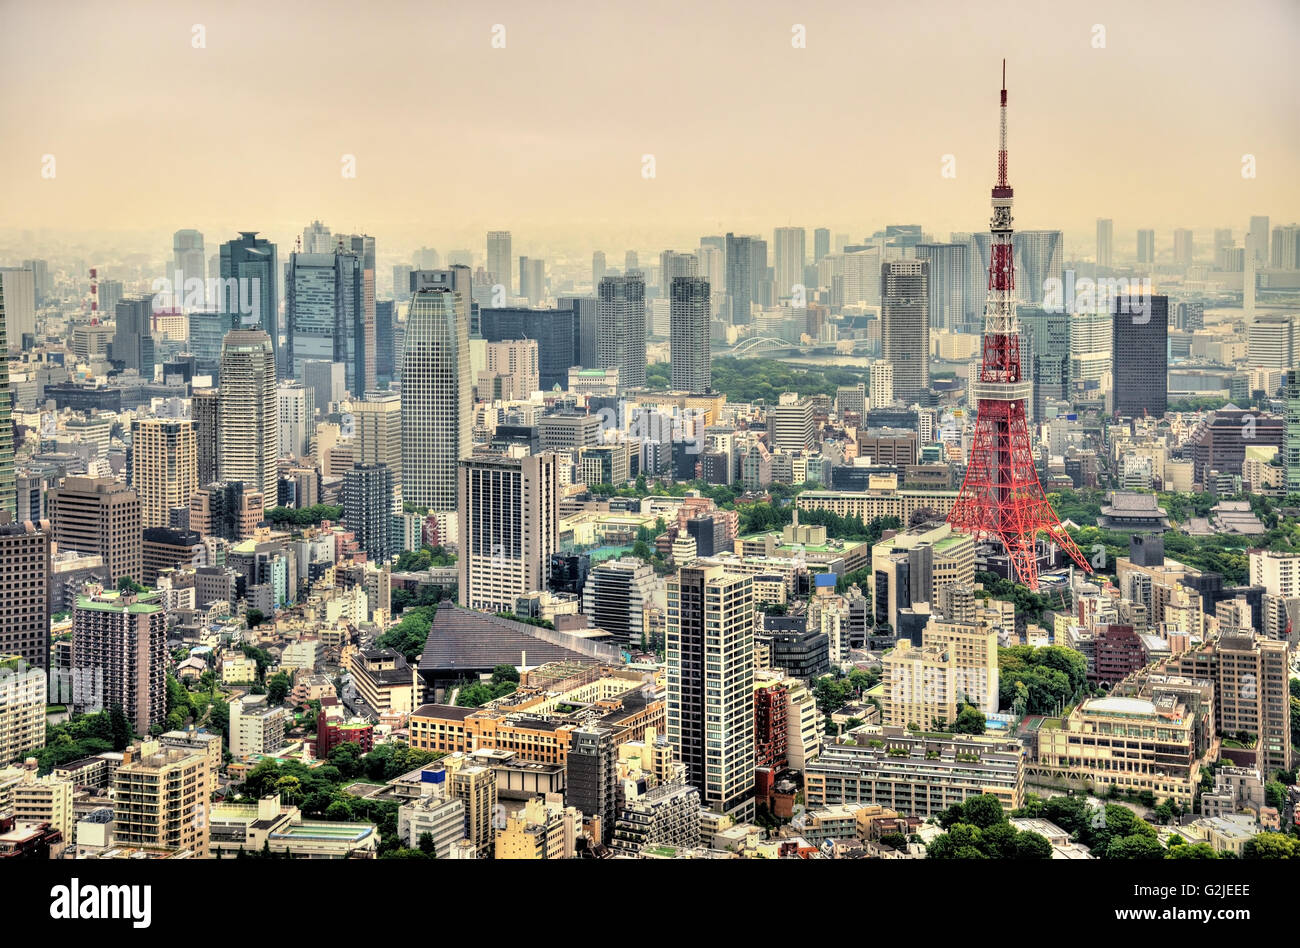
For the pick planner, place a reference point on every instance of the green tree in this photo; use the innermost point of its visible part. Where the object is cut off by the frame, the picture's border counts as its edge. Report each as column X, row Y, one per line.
column 121, row 728
column 970, row 720
column 984, row 811
column 1271, row 846
column 126, row 584
column 426, row 844
column 1032, row 846
column 278, row 687
column 1136, row 846
column 253, row 618
column 1191, row 851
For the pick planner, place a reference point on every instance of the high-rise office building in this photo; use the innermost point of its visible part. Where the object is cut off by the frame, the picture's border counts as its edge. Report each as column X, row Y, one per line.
column 620, row 328
column 1141, row 356
column 368, row 493
column 553, row 329
column 325, row 314
column 296, row 417
column 592, row 776
column 532, row 279
column 377, row 433
column 1285, row 253
column 1045, row 355
column 499, row 260
column 123, row 637
column 205, row 405
column 790, row 256
column 188, row 258
column 615, row 597
column 1259, row 239
column 436, row 387
column 790, row 423
column 8, row 490
column 584, row 329
column 598, row 267
column 248, row 436
column 1146, row 246
column 316, row 238
column 164, row 467
column 385, row 343
column 18, row 290
column 1184, row 248
column 688, row 335
column 673, row 265
column 99, row 516
column 631, row 262
column 950, row 306
column 821, row 243
column 133, row 343
column 44, row 285
column 253, row 300
column 905, row 324
column 363, row 246
column 1271, row 341
column 509, row 527
column 1105, row 243
column 1037, row 258
column 25, row 595
column 710, row 649
column 739, row 261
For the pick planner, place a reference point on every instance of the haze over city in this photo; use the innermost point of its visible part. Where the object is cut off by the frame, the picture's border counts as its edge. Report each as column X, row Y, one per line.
column 546, row 135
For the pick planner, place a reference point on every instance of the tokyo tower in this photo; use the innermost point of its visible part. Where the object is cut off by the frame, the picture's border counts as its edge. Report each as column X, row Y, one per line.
column 1001, row 496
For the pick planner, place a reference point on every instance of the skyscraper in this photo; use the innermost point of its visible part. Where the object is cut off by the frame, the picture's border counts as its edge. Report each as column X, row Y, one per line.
column 1141, row 363
column 1146, row 246
column 133, row 340
column 25, row 606
column 385, row 350
column 615, row 597
column 1184, row 248
column 672, row 265
column 905, row 324
column 789, row 247
column 821, row 243
column 553, row 329
column 1045, row 354
column 436, row 387
column 584, row 329
column 296, row 413
column 8, row 489
column 248, row 436
column 688, row 334
column 325, row 314
column 1105, row 242
column 125, row 636
column 252, row 302
column 740, row 278
column 205, row 406
column 363, row 345
column 18, row 287
column 1037, row 258
column 368, row 509
column 99, row 516
column 950, row 306
column 597, row 267
column 499, row 260
column 1291, row 431
column 188, row 259
column 164, row 467
column 532, row 279
column 620, row 328
column 1285, row 253
column 1259, row 239
column 316, row 238
column 710, row 648
column 509, row 527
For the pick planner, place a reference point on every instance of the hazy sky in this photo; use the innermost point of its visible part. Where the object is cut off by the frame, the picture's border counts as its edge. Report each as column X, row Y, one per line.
column 545, row 137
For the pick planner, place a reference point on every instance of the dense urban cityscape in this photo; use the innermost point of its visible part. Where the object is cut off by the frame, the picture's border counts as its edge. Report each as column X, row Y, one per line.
column 785, row 543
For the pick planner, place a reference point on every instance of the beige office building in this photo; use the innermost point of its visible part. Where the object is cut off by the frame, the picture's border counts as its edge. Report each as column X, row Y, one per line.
column 162, row 800
column 249, row 430
column 99, row 516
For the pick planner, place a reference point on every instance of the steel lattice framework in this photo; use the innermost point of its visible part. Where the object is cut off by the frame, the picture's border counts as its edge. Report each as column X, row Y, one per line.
column 1001, row 496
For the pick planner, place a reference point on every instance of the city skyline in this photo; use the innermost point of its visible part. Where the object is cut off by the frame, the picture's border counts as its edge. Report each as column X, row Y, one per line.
column 555, row 173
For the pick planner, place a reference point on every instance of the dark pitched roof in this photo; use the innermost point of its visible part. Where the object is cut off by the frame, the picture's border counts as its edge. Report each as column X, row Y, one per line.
column 464, row 639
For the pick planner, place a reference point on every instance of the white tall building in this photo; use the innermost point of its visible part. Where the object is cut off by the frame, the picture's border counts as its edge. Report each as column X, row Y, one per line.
column 1271, row 342
column 509, row 527
column 905, row 324
column 248, row 432
column 296, row 410
column 1105, row 242
column 18, row 289
column 882, row 384
column 436, row 388
column 316, row 238
column 791, row 256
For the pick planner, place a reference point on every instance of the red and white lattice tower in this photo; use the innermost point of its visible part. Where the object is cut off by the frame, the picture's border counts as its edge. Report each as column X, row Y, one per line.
column 1001, row 497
